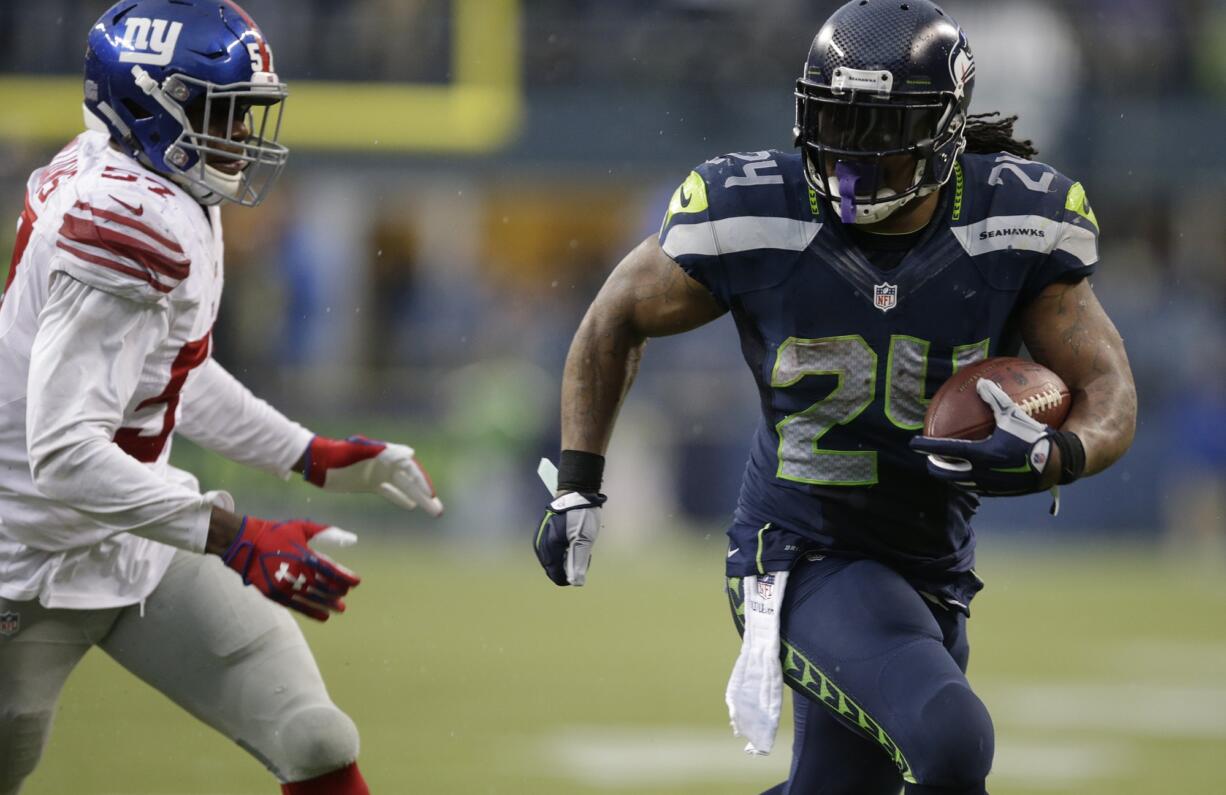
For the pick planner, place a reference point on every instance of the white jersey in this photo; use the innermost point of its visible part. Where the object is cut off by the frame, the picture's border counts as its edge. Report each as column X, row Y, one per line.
column 105, row 328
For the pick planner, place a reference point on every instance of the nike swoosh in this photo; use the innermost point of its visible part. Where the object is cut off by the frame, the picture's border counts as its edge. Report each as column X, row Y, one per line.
column 685, row 198
column 137, row 210
column 732, row 552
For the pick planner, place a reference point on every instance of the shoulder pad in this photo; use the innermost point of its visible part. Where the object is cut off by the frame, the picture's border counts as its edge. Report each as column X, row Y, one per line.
column 119, row 235
column 740, row 202
column 765, row 183
column 1002, row 202
column 738, row 221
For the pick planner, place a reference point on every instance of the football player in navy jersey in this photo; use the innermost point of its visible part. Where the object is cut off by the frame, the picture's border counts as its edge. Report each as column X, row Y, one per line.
column 905, row 239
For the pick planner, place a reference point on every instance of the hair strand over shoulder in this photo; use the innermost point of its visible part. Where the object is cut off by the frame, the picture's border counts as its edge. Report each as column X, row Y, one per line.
column 989, row 133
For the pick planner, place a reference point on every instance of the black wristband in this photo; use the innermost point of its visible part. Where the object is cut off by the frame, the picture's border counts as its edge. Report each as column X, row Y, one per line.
column 1072, row 456
column 580, row 471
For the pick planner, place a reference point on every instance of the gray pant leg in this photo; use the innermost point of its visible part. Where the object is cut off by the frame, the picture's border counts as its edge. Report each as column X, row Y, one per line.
column 39, row 648
column 237, row 662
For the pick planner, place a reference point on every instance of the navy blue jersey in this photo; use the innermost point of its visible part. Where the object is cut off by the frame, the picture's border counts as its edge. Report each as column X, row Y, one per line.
column 847, row 355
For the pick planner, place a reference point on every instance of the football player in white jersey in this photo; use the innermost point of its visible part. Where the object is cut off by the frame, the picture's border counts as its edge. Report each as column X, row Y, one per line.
column 105, row 326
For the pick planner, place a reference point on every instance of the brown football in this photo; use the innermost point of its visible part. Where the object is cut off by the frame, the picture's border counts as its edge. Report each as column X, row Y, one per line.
column 957, row 411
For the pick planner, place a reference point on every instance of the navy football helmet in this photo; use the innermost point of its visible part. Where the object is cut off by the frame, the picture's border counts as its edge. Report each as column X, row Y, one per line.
column 187, row 87
column 883, row 78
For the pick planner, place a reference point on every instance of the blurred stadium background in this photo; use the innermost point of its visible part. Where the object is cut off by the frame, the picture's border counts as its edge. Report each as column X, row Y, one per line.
column 465, row 173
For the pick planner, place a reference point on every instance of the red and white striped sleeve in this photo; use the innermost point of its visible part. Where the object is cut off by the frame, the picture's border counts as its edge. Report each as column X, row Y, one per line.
column 123, row 247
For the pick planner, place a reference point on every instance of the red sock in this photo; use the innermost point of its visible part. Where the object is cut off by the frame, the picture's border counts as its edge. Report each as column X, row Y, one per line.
column 346, row 781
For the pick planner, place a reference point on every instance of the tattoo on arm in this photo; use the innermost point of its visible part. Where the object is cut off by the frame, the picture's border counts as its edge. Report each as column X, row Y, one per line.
column 1066, row 329
column 647, row 295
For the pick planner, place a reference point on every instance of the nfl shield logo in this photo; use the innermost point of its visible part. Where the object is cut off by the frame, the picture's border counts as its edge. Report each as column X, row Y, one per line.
column 885, row 296
column 9, row 623
column 766, row 585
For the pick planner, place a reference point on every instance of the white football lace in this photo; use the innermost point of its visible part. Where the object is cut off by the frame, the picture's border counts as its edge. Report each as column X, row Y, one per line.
column 1047, row 399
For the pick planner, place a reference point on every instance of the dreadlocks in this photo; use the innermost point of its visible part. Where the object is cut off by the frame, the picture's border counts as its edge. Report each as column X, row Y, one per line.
column 989, row 133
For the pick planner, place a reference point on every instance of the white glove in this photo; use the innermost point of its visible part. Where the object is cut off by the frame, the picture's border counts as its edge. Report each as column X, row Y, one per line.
column 358, row 464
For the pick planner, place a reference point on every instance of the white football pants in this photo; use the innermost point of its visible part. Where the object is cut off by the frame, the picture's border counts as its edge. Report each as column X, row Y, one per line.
column 215, row 647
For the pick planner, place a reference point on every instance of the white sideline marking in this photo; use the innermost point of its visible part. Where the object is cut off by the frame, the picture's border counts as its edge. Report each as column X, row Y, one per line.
column 1139, row 709
column 1121, row 715
column 625, row 757
column 1056, row 764
column 1190, row 660
column 629, row 758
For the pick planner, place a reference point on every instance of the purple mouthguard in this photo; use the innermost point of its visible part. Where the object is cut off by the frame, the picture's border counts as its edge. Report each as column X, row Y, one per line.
column 849, row 176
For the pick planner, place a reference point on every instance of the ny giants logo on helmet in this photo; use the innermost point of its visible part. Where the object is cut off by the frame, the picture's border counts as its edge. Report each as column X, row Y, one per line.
column 149, row 41
column 961, row 64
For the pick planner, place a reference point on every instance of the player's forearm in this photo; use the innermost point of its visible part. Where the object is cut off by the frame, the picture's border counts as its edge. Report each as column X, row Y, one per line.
column 119, row 493
column 1104, row 417
column 222, row 415
column 602, row 363
column 85, row 362
column 1066, row 329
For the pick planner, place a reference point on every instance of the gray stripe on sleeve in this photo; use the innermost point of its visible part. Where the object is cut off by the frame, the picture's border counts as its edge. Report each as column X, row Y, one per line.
column 743, row 233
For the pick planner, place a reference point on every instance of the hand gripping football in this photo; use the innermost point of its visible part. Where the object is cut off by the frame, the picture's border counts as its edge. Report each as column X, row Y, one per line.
column 957, row 411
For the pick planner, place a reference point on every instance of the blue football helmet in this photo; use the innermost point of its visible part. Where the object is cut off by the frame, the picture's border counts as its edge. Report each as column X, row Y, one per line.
column 187, row 87
column 883, row 78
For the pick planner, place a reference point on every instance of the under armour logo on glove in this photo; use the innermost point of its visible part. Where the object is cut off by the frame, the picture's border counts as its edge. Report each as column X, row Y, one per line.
column 276, row 559
column 296, row 583
column 358, row 464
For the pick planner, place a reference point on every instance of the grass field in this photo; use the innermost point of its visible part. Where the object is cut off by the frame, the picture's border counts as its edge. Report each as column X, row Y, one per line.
column 472, row 674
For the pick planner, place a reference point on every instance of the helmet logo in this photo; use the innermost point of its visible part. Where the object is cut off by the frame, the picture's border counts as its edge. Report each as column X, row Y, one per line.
column 961, row 66
column 149, row 41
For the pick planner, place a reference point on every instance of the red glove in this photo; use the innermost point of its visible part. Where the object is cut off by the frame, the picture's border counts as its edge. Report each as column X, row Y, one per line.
column 275, row 558
column 359, row 464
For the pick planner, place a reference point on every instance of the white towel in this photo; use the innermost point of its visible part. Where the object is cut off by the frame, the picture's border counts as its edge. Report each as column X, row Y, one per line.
column 755, row 689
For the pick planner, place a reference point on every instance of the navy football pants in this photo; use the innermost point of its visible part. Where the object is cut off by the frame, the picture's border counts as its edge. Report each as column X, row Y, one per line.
column 880, row 691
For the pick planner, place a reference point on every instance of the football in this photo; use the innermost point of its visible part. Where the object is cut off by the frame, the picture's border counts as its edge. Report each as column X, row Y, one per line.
column 957, row 411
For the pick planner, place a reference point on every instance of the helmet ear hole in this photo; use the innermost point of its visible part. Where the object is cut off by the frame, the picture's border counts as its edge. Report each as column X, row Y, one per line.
column 138, row 112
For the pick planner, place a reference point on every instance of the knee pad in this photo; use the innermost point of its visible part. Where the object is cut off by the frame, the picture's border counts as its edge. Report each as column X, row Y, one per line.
column 960, row 743
column 314, row 740
column 22, row 738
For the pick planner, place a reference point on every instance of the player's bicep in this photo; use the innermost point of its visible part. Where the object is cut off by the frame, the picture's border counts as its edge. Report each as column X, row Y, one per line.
column 1066, row 329
column 653, row 296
